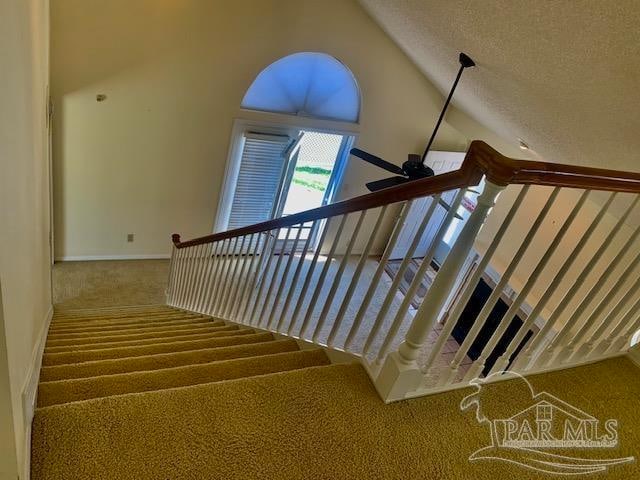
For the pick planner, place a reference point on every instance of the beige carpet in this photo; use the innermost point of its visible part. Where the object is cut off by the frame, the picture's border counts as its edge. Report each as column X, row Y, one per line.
column 109, row 283
column 285, row 414
column 95, row 284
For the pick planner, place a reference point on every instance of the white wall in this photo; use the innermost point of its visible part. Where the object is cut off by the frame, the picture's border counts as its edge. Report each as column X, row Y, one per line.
column 24, row 214
column 150, row 159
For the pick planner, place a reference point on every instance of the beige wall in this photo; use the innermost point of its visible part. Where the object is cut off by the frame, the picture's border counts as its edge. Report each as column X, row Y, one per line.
column 24, row 205
column 150, row 159
column 533, row 204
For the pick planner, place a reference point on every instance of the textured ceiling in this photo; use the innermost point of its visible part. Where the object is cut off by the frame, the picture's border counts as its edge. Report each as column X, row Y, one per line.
column 564, row 75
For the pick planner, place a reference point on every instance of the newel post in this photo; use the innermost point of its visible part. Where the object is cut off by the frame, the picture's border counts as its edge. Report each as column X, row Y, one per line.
column 168, row 292
column 400, row 374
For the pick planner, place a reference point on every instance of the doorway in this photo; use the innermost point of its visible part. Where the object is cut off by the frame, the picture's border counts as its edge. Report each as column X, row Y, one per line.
column 275, row 171
column 316, row 171
column 440, row 162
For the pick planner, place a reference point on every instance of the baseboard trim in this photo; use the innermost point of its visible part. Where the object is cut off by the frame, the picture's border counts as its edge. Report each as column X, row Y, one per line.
column 634, row 355
column 30, row 392
column 87, row 258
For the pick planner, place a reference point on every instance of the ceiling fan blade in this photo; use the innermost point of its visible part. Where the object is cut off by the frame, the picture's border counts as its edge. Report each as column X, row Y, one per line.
column 377, row 161
column 386, row 183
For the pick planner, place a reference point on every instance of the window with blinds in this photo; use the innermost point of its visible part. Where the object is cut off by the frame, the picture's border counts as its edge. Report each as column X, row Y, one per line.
column 258, row 187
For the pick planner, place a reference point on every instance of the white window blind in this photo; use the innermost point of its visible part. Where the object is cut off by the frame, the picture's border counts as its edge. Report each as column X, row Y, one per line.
column 262, row 167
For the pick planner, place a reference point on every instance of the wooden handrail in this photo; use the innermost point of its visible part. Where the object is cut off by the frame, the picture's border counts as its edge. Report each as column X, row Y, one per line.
column 481, row 159
column 503, row 170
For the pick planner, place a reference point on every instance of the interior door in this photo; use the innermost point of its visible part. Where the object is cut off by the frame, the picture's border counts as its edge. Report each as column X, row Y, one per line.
column 440, row 162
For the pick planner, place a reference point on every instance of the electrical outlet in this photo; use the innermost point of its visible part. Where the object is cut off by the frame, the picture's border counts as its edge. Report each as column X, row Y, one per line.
column 129, row 237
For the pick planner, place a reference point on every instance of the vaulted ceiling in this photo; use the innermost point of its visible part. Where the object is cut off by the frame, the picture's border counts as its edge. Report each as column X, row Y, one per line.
column 564, row 75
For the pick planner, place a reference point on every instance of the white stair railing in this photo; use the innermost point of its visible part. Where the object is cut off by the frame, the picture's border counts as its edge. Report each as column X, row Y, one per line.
column 547, row 307
column 325, row 297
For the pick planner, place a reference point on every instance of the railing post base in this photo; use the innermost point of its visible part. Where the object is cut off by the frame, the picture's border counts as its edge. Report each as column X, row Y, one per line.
column 397, row 378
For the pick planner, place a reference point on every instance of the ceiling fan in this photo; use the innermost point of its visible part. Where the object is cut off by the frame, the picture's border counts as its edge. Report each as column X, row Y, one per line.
column 414, row 168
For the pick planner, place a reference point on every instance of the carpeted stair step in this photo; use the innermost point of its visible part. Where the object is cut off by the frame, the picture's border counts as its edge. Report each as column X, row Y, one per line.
column 58, row 318
column 252, row 345
column 125, row 326
column 220, row 332
column 231, row 338
column 64, row 391
column 223, row 430
column 140, row 330
column 92, row 340
column 82, row 327
column 124, row 320
column 86, row 314
column 115, row 328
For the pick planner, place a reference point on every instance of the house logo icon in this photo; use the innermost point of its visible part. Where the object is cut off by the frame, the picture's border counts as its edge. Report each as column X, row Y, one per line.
column 540, row 431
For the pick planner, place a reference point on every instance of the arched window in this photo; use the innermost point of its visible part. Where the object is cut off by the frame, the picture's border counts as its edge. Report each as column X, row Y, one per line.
column 306, row 84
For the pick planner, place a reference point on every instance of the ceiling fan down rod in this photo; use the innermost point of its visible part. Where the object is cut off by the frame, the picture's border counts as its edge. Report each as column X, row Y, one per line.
column 465, row 62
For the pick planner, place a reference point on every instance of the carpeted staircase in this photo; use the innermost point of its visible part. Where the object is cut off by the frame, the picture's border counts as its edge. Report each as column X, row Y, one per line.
column 100, row 353
column 154, row 393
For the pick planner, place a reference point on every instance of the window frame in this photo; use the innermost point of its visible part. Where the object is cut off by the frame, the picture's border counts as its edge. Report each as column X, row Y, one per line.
column 277, row 124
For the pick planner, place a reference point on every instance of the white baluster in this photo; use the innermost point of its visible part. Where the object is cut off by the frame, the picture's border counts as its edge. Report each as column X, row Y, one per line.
column 625, row 321
column 503, row 360
column 214, row 281
column 175, row 275
column 307, row 280
column 551, row 353
column 586, row 349
column 355, row 278
column 256, row 277
column 323, row 274
column 418, row 277
column 264, row 277
column 206, row 288
column 221, row 280
column 622, row 342
column 191, row 252
column 571, row 353
column 338, row 277
column 172, row 272
column 375, row 280
column 400, row 373
column 449, row 375
column 218, row 284
column 233, row 282
column 523, row 358
column 296, row 275
column 261, row 318
column 182, row 252
column 397, row 279
column 283, row 281
column 225, row 280
column 198, row 277
column 242, row 278
column 471, row 283
column 529, row 357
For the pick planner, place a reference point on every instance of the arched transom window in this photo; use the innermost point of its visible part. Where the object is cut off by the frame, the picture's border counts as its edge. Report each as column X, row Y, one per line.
column 306, row 84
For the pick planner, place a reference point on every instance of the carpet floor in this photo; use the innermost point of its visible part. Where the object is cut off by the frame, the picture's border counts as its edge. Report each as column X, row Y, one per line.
column 109, row 283
column 263, row 409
